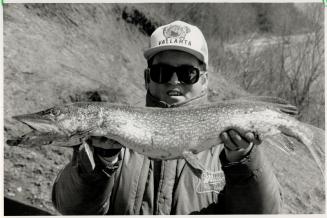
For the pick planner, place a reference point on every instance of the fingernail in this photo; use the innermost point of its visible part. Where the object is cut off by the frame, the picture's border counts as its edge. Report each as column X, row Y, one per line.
column 249, row 136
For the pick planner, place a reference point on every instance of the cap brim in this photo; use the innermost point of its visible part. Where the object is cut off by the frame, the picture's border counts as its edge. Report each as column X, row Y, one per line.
column 153, row 51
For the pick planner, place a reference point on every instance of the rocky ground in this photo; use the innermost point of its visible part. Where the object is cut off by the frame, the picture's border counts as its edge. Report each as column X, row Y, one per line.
column 56, row 54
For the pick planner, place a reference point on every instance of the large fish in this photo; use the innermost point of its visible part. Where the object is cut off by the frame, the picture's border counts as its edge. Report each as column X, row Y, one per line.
column 169, row 133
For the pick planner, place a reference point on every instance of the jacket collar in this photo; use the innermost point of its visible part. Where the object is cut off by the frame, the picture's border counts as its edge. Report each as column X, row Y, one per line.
column 152, row 101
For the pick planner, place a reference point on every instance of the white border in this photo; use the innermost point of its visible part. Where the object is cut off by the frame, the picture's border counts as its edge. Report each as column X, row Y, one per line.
column 161, row 1
column 1, row 115
column 137, row 1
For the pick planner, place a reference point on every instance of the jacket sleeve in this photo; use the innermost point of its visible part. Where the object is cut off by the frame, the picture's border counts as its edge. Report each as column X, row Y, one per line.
column 79, row 189
column 251, row 186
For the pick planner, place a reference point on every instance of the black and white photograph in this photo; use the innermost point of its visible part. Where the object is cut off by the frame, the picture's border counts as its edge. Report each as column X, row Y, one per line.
column 166, row 108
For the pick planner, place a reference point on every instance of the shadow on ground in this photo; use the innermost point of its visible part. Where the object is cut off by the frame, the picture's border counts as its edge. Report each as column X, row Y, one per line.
column 16, row 208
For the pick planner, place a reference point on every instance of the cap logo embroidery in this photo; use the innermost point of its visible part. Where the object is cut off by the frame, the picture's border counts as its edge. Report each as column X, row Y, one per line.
column 175, row 34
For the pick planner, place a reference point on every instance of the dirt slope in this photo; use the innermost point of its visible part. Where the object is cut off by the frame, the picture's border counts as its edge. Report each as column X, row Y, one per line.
column 55, row 54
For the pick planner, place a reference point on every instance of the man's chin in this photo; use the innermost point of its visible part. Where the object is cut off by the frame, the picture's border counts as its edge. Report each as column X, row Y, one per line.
column 175, row 99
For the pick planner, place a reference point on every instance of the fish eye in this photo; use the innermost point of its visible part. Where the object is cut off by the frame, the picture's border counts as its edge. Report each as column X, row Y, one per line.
column 51, row 112
column 54, row 112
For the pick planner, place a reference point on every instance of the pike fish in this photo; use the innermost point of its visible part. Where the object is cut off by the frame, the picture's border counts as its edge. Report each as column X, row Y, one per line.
column 169, row 133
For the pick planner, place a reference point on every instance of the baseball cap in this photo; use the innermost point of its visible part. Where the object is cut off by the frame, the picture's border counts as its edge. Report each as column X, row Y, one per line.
column 181, row 36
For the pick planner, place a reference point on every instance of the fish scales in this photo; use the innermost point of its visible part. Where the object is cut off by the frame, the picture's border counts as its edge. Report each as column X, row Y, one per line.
column 156, row 131
column 167, row 133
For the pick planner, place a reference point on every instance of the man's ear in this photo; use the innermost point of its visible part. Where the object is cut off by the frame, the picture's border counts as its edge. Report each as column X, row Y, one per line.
column 204, row 82
column 146, row 78
column 204, row 79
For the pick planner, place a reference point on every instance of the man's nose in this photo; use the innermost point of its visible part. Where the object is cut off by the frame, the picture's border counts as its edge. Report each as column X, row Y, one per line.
column 174, row 79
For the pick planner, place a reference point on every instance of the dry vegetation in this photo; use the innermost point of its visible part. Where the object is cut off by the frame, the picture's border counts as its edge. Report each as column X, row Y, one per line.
column 287, row 66
column 263, row 49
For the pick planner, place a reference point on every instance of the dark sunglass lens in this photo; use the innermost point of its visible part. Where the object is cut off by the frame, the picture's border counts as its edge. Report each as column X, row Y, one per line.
column 189, row 75
column 155, row 73
column 163, row 73
column 160, row 73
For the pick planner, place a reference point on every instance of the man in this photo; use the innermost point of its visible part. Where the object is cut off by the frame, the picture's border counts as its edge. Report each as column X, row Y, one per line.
column 237, row 180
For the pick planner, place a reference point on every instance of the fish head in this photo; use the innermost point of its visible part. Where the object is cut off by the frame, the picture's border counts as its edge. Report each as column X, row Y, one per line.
column 66, row 124
column 46, row 121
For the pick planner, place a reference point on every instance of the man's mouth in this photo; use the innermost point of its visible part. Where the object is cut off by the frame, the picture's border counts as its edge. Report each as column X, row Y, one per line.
column 174, row 93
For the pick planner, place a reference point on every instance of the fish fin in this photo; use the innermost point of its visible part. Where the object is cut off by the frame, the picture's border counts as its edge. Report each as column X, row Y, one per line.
column 318, row 141
column 278, row 142
column 288, row 144
column 312, row 138
column 212, row 151
column 287, row 109
column 89, row 154
column 269, row 99
column 317, row 146
column 280, row 104
column 81, row 134
column 302, row 135
column 194, row 162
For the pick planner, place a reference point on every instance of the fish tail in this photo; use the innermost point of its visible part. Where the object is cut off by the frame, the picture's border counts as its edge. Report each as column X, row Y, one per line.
column 281, row 105
column 310, row 137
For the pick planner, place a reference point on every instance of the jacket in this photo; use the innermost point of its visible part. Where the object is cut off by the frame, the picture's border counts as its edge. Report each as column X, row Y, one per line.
column 137, row 185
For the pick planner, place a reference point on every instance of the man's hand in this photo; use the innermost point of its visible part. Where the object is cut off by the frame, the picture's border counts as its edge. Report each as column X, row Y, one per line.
column 237, row 146
column 103, row 142
column 106, row 149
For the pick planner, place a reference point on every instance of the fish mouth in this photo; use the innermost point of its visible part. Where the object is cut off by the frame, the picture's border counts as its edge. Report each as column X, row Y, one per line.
column 37, row 122
column 44, row 131
column 36, row 138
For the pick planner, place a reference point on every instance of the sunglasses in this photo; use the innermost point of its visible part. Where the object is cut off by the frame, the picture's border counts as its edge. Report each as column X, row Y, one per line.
column 162, row 73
